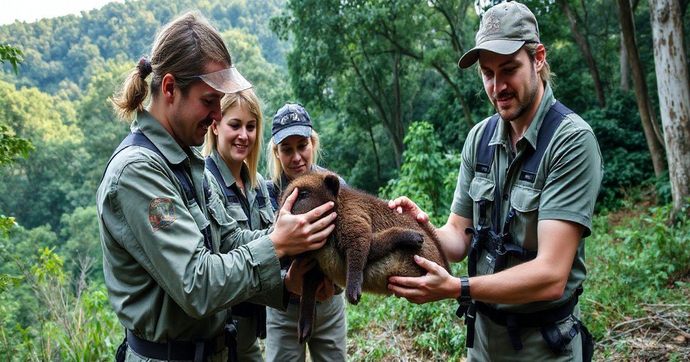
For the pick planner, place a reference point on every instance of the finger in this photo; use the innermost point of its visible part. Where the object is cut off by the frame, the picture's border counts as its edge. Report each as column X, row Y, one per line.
column 430, row 266
column 289, row 202
column 321, row 235
column 407, row 282
column 316, row 245
column 319, row 211
column 322, row 223
column 422, row 217
column 402, row 292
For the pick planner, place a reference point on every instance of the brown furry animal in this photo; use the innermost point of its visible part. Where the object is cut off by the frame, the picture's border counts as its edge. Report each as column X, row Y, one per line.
column 370, row 243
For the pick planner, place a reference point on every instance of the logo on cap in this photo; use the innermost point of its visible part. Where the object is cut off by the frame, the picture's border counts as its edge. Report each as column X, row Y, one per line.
column 491, row 24
column 289, row 118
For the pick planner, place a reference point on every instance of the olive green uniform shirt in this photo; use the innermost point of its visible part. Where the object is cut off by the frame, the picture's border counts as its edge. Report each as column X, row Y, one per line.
column 162, row 282
column 260, row 211
column 565, row 188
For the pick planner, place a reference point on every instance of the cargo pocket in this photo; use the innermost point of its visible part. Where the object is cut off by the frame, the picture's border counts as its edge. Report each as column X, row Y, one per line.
column 482, row 189
column 202, row 223
column 559, row 335
column 235, row 212
column 267, row 217
column 525, row 201
column 482, row 193
column 217, row 210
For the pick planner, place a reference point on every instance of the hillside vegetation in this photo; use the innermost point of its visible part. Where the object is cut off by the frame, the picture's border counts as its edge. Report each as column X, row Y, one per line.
column 380, row 81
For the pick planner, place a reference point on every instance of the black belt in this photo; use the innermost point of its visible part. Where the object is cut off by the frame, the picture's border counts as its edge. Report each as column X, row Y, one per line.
column 528, row 320
column 251, row 310
column 514, row 321
column 247, row 310
column 176, row 350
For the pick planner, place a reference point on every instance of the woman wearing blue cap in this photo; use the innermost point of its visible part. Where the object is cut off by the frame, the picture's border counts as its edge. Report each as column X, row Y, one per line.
column 294, row 150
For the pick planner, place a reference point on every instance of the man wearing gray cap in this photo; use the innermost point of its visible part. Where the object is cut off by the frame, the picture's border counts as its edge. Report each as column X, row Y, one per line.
column 522, row 208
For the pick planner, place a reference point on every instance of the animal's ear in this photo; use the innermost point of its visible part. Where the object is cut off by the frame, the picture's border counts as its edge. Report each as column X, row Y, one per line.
column 332, row 184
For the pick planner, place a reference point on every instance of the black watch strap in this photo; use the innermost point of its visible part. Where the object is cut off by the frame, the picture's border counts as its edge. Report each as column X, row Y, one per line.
column 464, row 297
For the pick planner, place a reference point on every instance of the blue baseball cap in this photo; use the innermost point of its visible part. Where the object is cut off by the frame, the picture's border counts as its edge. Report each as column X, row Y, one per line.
column 290, row 120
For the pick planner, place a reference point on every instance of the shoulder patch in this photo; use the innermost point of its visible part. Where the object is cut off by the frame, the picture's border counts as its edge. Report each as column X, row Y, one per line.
column 161, row 213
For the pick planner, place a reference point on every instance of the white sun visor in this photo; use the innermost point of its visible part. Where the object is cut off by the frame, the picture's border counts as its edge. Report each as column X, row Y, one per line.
column 228, row 80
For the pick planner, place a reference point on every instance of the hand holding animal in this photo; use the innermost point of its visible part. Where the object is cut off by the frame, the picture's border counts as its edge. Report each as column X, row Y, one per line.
column 369, row 244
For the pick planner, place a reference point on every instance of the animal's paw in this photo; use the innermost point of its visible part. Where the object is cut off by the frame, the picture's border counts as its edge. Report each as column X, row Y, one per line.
column 304, row 331
column 353, row 294
column 412, row 239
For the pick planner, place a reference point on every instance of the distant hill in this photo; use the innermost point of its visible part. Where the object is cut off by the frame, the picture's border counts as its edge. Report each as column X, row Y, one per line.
column 62, row 53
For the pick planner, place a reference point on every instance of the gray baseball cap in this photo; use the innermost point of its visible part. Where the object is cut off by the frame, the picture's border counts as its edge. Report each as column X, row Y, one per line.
column 290, row 120
column 504, row 29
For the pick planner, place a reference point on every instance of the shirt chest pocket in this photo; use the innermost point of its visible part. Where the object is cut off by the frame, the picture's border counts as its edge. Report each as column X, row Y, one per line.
column 482, row 193
column 199, row 217
column 525, row 201
column 217, row 210
column 235, row 212
column 267, row 216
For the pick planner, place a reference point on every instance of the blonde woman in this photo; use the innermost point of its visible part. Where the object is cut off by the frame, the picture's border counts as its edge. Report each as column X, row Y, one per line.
column 232, row 151
column 294, row 151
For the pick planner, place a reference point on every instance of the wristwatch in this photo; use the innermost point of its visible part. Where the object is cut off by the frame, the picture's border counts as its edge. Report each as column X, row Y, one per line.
column 464, row 298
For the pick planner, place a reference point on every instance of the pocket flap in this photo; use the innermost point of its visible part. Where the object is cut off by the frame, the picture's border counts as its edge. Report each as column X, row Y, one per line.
column 236, row 212
column 525, row 199
column 198, row 215
column 266, row 216
column 481, row 189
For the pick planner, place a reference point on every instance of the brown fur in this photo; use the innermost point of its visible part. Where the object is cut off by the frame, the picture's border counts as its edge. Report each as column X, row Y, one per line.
column 370, row 242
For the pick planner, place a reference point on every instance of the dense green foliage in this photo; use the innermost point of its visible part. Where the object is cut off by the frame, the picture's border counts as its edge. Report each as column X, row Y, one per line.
column 427, row 176
column 63, row 53
column 380, row 81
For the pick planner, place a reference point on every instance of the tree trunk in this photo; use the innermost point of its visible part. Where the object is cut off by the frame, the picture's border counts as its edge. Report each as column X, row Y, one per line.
column 398, row 122
column 643, row 102
column 391, row 127
column 625, row 66
column 584, row 46
column 373, row 146
column 671, row 67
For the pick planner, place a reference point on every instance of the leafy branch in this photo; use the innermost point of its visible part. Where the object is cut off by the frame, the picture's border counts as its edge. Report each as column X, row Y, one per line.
column 12, row 55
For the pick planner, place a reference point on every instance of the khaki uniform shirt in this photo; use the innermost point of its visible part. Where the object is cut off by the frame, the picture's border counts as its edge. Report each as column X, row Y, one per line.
column 163, row 283
column 261, row 217
column 565, row 188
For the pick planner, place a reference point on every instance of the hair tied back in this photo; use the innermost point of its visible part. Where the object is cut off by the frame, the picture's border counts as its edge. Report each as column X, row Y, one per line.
column 144, row 68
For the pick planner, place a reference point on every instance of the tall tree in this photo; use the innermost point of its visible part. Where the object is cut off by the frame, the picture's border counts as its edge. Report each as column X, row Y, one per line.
column 338, row 46
column 624, row 64
column 583, row 43
column 674, row 93
column 647, row 116
column 10, row 144
column 439, row 42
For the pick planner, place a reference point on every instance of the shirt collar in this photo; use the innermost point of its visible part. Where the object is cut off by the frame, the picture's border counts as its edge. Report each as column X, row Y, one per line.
column 501, row 134
column 225, row 172
column 155, row 132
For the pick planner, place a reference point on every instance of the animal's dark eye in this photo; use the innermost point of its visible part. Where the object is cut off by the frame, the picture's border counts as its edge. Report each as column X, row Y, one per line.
column 302, row 193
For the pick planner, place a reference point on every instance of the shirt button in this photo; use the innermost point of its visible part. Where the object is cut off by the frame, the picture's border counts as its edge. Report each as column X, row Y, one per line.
column 506, row 197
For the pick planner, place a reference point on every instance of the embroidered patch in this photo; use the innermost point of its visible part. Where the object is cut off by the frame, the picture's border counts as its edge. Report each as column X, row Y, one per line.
column 161, row 213
column 491, row 24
